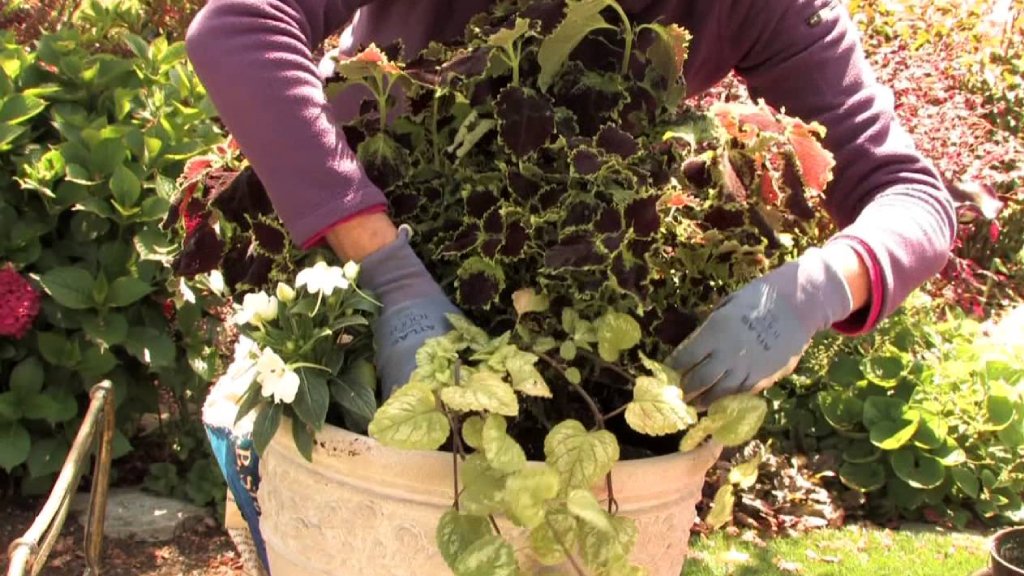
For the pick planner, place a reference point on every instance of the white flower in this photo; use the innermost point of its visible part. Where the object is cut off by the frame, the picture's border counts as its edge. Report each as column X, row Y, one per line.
column 257, row 308
column 221, row 405
column 285, row 293
column 322, row 279
column 350, row 270
column 276, row 378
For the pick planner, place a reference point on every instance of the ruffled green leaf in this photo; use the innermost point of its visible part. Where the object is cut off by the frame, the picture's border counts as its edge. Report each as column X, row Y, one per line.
column 658, row 408
column 584, row 505
column 482, row 392
column 744, row 474
column 607, row 551
column 410, row 419
column 527, row 491
column 721, row 507
column 506, row 37
column 501, row 450
column 616, row 333
column 547, row 538
column 581, row 18
column 580, row 457
column 527, row 300
column 473, row 432
column 521, row 368
column 489, row 556
column 483, row 486
column 737, row 418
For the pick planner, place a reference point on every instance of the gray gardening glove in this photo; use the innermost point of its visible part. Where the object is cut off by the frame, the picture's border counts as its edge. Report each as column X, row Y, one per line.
column 414, row 308
column 758, row 333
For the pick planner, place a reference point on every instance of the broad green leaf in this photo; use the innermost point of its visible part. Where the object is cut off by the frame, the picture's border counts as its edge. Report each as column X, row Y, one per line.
column 660, row 372
column 15, row 444
column 696, row 434
column 10, row 407
column 841, row 409
column 456, row 532
column 584, row 505
column 151, row 346
column 46, row 456
column 882, row 370
column 125, row 186
column 931, row 431
column 1013, row 434
column 71, row 287
column 482, row 392
column 527, row 300
column 28, row 376
column 845, row 371
column 483, row 486
column 302, row 435
column 19, row 107
column 861, row 452
column 966, row 480
column 527, row 491
column 616, row 333
column 357, row 400
column 882, row 409
column 721, row 507
column 96, row 362
column 265, row 426
column 57, row 349
column 580, row 457
column 410, row 418
column 471, row 334
column 126, row 290
column 581, row 18
column 744, row 474
column 546, row 540
column 950, row 453
column 1000, row 410
column 109, row 330
column 501, row 450
column 916, row 468
column 891, row 434
column 601, row 549
column 312, row 398
column 567, row 350
column 667, row 53
column 489, row 556
column 658, row 408
column 737, row 418
column 473, row 432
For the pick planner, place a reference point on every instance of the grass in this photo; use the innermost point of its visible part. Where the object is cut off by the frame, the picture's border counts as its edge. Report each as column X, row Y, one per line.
column 855, row 550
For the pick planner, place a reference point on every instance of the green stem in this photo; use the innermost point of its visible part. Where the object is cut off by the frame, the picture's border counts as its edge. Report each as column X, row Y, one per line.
column 561, row 544
column 627, row 52
column 515, row 55
column 382, row 100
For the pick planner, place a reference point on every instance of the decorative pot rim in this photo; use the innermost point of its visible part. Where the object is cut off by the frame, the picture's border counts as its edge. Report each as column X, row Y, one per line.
column 425, row 476
column 997, row 539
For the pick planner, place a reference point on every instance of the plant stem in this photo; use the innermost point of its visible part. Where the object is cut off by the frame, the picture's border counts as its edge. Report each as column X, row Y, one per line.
column 601, row 363
column 627, row 51
column 561, row 543
column 616, row 412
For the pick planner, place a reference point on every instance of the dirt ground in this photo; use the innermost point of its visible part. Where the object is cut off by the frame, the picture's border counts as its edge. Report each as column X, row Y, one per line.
column 199, row 549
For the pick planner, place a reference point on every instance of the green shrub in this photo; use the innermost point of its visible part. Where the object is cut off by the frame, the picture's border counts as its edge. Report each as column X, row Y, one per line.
column 925, row 415
column 90, row 145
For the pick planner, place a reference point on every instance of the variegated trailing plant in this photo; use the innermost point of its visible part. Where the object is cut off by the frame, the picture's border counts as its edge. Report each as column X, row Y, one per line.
column 585, row 217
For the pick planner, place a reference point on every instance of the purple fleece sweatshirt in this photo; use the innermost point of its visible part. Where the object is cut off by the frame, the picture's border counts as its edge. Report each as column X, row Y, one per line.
column 803, row 56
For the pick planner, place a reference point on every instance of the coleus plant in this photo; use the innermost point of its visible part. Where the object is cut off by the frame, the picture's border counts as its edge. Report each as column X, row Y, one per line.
column 584, row 217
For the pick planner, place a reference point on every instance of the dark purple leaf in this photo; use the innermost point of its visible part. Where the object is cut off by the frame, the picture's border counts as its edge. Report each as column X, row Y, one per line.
column 244, row 198
column 200, row 252
column 403, row 204
column 516, row 236
column 489, row 247
column 615, row 141
column 631, row 275
column 609, row 222
column 270, row 238
column 725, row 218
column 480, row 202
column 586, row 161
column 574, row 251
column 465, row 240
column 524, row 188
column 673, row 325
column 698, row 173
column 547, row 12
column 642, row 216
column 526, row 120
column 494, row 222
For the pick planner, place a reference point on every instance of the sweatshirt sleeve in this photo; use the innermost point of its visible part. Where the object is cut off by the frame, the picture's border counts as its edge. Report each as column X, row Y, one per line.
column 255, row 59
column 805, row 57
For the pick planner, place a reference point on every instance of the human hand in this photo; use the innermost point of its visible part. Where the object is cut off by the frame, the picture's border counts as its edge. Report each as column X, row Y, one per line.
column 414, row 308
column 758, row 333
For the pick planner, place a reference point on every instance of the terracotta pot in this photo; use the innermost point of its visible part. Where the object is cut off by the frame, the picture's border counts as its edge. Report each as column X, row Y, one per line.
column 364, row 509
column 1007, row 552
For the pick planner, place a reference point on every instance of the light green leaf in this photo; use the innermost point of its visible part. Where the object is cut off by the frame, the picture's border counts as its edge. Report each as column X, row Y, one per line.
column 527, row 300
column 916, row 468
column 28, row 376
column 19, row 107
column 473, row 432
column 524, row 374
column 125, row 187
column 581, row 18
column 744, row 474
column 737, row 418
column 721, row 507
column 456, row 532
column 482, row 392
column 1000, row 409
column 660, row 372
column 580, row 457
column 547, row 538
column 890, row 435
column 126, row 290
column 882, row 409
column 966, row 480
column 616, row 333
column 71, row 287
column 15, row 444
column 489, row 556
column 696, row 434
column 312, row 398
column 501, row 450
column 842, row 410
column 526, row 493
column 572, row 374
column 601, row 549
column 410, row 419
column 658, row 408
column 584, row 505
column 567, row 350
column 505, row 37
column 483, row 486
column 471, row 334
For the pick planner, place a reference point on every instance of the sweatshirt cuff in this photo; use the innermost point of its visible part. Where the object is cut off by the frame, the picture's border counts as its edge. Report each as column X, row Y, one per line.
column 867, row 317
column 316, row 238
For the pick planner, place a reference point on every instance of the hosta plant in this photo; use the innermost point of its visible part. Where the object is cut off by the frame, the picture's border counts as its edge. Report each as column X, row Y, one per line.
column 585, row 218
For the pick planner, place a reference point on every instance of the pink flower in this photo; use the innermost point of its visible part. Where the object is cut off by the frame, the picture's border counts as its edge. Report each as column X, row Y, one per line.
column 19, row 303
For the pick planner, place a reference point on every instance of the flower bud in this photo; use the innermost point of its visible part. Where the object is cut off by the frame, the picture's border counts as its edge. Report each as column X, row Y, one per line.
column 285, row 293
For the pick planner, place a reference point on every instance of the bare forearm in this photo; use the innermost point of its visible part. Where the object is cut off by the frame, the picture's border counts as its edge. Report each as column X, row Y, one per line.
column 356, row 238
